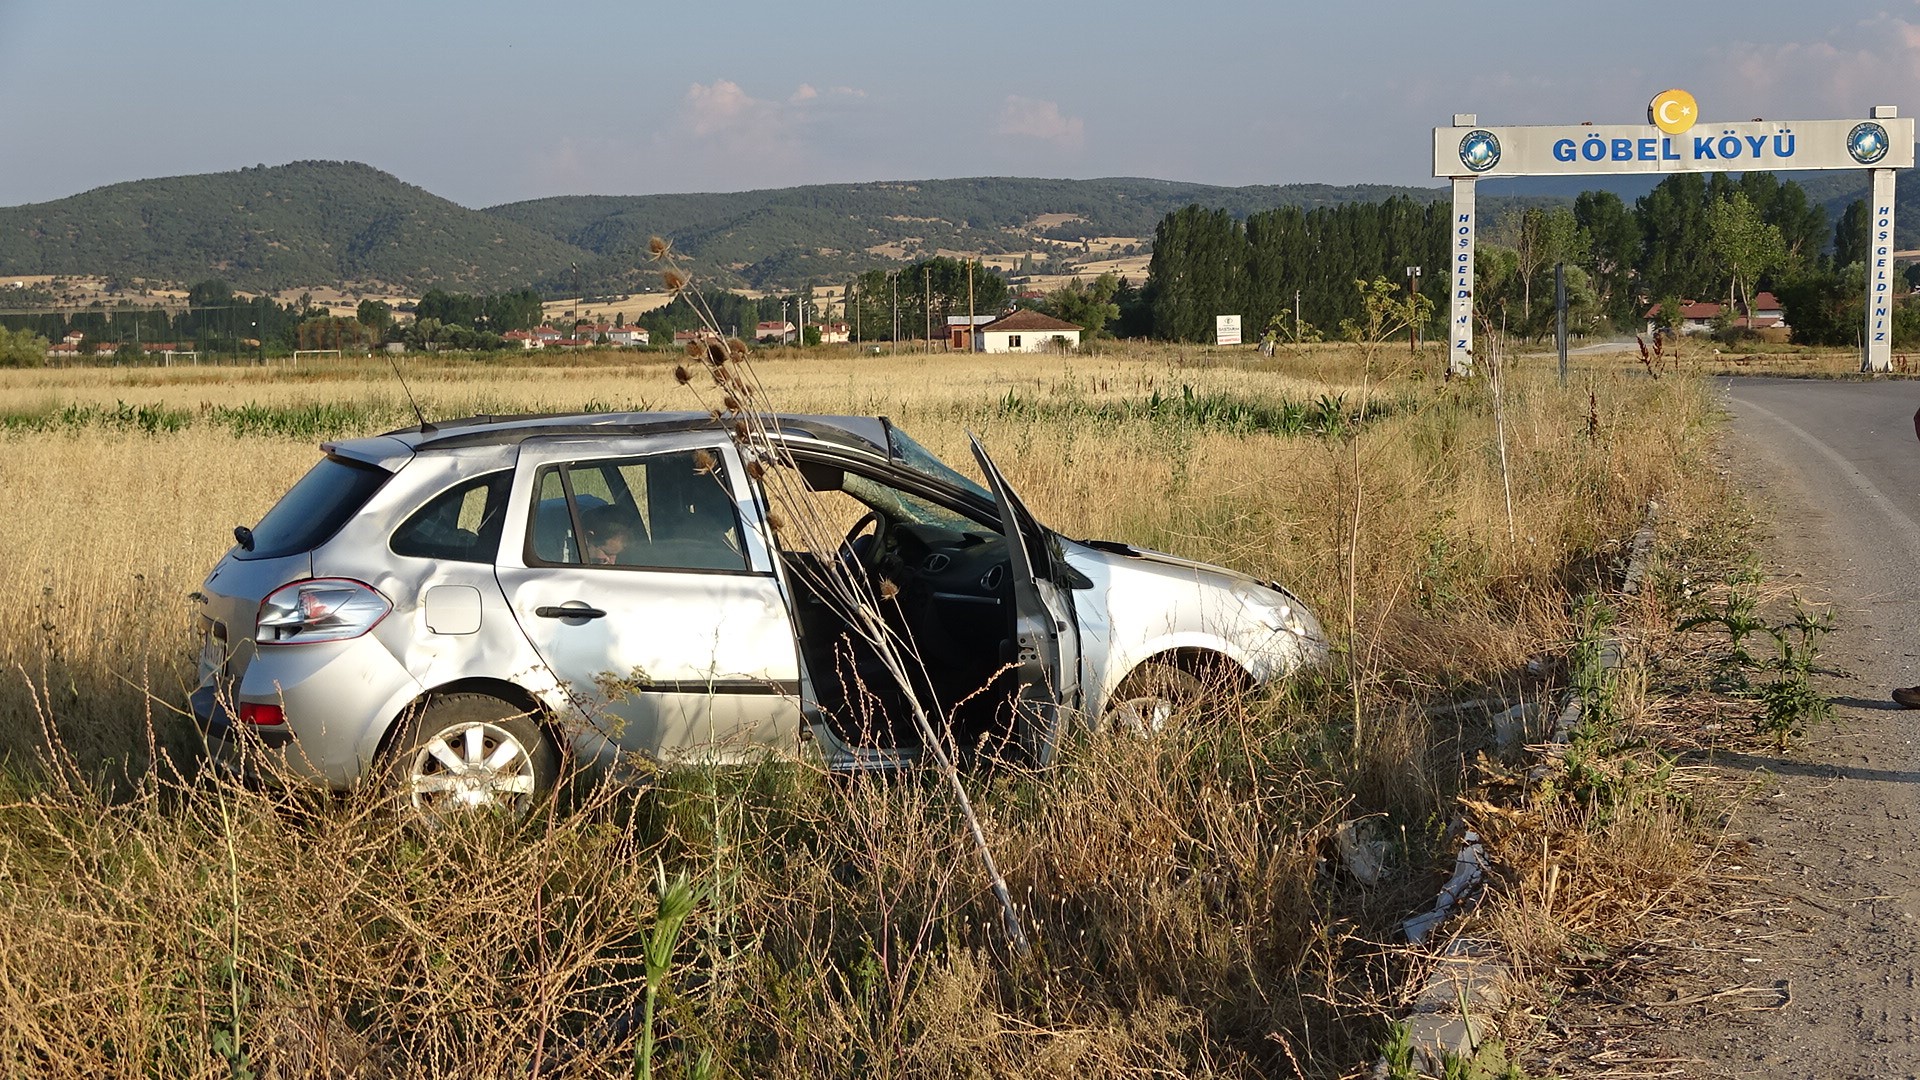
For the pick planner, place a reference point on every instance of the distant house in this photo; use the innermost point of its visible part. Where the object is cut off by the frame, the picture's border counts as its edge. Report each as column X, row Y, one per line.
column 1697, row 317
column 777, row 330
column 835, row 333
column 1028, row 331
column 74, row 337
column 963, row 331
column 65, row 350
column 526, row 339
column 628, row 335
column 546, row 335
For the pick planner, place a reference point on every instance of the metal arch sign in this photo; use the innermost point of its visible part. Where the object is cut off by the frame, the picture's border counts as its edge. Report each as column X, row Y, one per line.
column 1635, row 148
column 1674, row 140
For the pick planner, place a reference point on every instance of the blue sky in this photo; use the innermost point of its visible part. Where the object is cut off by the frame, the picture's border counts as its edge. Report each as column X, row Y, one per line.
column 486, row 102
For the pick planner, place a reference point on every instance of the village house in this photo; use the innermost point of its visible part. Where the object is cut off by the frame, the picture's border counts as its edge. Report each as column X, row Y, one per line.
column 778, row 330
column 1698, row 317
column 835, row 333
column 1028, row 331
column 963, row 331
column 628, row 336
column 526, row 339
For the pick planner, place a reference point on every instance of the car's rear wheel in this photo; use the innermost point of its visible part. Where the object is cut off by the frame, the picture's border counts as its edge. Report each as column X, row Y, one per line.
column 468, row 752
column 1151, row 696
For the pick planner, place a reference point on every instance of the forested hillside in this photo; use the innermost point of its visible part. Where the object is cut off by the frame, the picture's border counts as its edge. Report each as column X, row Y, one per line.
column 303, row 224
column 828, row 232
column 317, row 223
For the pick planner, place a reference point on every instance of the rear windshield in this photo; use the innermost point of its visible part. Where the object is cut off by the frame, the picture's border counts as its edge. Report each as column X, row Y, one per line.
column 315, row 508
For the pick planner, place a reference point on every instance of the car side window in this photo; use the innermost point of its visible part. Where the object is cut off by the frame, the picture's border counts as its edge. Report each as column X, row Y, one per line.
column 462, row 523
column 660, row 512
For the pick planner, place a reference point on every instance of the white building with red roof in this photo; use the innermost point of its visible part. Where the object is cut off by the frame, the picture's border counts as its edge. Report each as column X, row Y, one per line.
column 1028, row 331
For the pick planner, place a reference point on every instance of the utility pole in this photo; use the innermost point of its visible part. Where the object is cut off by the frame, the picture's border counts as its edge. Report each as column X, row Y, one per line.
column 1560, row 316
column 800, row 340
column 893, row 279
column 971, row 321
column 1413, row 310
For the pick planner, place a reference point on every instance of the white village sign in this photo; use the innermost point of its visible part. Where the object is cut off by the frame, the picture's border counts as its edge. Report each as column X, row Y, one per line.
column 1672, row 141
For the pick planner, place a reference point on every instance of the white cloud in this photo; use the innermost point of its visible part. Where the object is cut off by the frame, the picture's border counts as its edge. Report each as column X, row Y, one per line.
column 722, row 107
column 723, row 113
column 1814, row 76
column 1043, row 120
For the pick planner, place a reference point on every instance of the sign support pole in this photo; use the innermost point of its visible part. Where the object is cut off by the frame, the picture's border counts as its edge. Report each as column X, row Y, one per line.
column 1877, row 354
column 1460, row 280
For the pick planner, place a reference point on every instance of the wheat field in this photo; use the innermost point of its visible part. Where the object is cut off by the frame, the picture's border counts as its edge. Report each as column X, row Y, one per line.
column 1176, row 888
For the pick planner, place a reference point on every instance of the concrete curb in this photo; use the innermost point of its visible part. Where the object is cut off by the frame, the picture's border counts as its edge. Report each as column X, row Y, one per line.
column 1453, row 1012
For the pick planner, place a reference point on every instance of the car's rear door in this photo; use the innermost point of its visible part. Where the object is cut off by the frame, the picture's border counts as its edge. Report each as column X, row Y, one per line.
column 1046, row 635
column 680, row 645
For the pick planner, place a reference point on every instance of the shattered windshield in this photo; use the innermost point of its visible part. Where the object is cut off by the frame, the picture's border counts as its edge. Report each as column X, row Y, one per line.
column 921, row 460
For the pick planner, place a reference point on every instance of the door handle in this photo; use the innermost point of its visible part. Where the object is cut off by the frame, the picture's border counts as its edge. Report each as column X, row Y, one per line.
column 571, row 610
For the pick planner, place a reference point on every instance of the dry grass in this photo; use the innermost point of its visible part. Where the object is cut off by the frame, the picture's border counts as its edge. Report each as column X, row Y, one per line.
column 1184, row 919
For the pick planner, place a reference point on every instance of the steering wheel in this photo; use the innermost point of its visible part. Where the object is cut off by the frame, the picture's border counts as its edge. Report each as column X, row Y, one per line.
column 861, row 548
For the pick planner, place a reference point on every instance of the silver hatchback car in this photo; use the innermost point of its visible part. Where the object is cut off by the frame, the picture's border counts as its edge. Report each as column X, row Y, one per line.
column 451, row 610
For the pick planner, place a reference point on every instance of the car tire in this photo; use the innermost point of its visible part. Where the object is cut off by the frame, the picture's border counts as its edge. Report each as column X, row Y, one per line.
column 466, row 752
column 1151, row 697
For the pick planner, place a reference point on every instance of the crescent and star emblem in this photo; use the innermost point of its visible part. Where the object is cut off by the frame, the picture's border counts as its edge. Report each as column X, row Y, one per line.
column 1673, row 111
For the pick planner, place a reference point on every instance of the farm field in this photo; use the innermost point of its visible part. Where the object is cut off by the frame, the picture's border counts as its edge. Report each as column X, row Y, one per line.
column 1186, row 917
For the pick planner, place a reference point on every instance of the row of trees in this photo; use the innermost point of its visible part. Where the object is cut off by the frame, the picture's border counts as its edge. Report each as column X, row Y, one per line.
column 215, row 320
column 1206, row 263
column 1693, row 237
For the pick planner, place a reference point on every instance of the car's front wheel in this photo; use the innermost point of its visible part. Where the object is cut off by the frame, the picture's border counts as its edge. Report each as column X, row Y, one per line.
column 466, row 752
column 1149, row 698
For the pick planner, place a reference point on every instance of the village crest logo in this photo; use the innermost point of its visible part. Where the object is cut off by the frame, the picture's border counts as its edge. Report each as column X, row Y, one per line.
column 1867, row 143
column 1480, row 150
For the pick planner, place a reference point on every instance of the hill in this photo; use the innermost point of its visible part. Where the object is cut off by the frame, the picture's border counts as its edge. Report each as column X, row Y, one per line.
column 306, row 223
column 827, row 232
column 344, row 225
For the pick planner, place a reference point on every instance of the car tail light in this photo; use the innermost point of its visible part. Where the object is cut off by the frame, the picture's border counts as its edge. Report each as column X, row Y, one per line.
column 265, row 715
column 319, row 609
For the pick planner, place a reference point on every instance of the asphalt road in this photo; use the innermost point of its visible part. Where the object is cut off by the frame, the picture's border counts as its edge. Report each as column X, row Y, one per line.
column 1833, row 469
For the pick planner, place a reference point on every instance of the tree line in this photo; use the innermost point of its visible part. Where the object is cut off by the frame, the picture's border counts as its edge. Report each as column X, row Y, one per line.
column 1692, row 238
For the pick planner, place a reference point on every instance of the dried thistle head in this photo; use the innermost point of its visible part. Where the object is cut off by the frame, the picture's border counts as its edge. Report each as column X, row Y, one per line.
column 682, row 374
column 658, row 246
column 713, row 414
column 704, row 462
column 719, row 373
column 732, row 403
column 737, row 348
column 888, row 590
column 696, row 351
column 776, row 521
column 740, row 429
column 674, row 279
column 716, row 353
column 757, row 469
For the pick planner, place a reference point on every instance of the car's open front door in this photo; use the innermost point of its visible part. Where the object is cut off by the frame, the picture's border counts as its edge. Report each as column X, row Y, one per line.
column 1046, row 634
